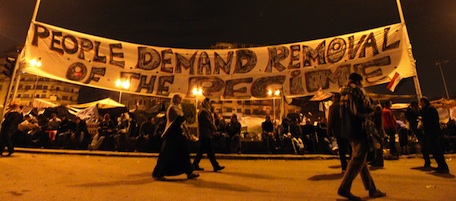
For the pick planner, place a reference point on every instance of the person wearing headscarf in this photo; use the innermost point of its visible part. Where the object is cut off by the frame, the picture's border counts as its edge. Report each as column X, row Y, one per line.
column 207, row 128
column 9, row 127
column 174, row 157
column 355, row 107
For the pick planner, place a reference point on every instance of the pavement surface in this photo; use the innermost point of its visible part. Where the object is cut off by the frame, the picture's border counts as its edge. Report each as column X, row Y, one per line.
column 53, row 174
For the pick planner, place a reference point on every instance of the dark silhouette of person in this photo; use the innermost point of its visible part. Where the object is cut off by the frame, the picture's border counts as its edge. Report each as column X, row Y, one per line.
column 432, row 134
column 234, row 133
column 334, row 129
column 9, row 127
column 267, row 135
column 207, row 129
column 174, row 157
column 355, row 108
column 412, row 114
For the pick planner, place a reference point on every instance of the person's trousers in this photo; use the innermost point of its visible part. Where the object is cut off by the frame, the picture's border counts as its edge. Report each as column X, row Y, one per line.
column 357, row 165
column 344, row 149
column 205, row 146
column 6, row 140
column 434, row 144
column 425, row 150
column 392, row 140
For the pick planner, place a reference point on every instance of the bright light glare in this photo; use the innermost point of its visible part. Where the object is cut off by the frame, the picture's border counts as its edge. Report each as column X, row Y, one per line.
column 277, row 92
column 35, row 63
column 197, row 91
column 125, row 84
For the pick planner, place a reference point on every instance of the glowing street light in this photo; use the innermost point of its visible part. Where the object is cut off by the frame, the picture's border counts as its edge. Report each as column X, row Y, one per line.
column 274, row 94
column 123, row 84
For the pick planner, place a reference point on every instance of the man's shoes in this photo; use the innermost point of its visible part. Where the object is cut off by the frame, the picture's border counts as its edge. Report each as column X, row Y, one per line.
column 199, row 168
column 162, row 178
column 427, row 165
column 376, row 194
column 348, row 195
column 192, row 176
column 219, row 168
column 442, row 171
column 9, row 154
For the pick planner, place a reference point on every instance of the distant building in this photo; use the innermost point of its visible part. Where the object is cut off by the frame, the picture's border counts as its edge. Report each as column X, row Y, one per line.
column 34, row 87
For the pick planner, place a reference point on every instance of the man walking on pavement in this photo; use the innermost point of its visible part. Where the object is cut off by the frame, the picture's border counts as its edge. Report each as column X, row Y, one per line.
column 207, row 128
column 354, row 108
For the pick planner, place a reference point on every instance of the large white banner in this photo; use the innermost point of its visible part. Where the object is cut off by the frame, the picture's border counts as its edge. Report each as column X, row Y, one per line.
column 298, row 69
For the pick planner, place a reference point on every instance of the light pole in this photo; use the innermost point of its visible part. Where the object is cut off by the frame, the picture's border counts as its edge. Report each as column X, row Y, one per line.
column 123, row 84
column 274, row 94
column 197, row 92
column 439, row 64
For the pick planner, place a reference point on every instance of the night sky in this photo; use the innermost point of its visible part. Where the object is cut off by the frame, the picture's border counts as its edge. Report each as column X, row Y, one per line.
column 202, row 23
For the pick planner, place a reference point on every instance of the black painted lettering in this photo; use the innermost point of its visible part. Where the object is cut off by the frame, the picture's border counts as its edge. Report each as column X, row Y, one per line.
column 393, row 45
column 116, row 54
column 162, row 88
column 86, row 45
column 336, row 50
column 221, row 64
column 76, row 72
column 371, row 42
column 74, row 44
column 143, row 84
column 95, row 71
column 245, row 61
column 148, row 58
column 204, row 63
column 97, row 56
column 277, row 54
column 260, row 86
column 166, row 60
column 39, row 32
column 295, row 52
column 317, row 55
column 208, row 84
column 181, row 61
column 352, row 50
column 229, row 88
column 56, row 41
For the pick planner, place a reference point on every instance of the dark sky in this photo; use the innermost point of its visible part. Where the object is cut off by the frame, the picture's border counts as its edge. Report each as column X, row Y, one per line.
column 202, row 23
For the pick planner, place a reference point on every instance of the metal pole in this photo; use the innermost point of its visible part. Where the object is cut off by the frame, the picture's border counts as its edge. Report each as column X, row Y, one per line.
column 273, row 108
column 35, row 12
column 439, row 64
column 120, row 96
column 415, row 78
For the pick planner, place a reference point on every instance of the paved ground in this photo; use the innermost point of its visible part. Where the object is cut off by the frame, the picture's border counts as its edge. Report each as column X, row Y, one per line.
column 72, row 175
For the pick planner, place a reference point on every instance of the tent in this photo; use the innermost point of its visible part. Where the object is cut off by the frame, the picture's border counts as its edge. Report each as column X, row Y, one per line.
column 102, row 104
column 40, row 103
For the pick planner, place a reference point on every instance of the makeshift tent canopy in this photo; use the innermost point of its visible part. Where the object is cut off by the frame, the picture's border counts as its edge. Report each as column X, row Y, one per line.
column 102, row 104
column 40, row 103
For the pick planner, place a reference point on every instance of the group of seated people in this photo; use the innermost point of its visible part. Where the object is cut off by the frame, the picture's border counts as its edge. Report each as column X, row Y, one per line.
column 52, row 132
column 293, row 136
column 290, row 136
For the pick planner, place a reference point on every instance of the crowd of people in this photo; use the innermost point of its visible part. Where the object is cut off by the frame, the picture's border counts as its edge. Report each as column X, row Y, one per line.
column 357, row 128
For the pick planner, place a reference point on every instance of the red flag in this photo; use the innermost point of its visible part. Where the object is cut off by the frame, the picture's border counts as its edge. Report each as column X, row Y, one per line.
column 395, row 79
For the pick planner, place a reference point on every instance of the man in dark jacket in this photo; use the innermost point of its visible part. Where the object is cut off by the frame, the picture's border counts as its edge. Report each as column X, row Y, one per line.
column 354, row 109
column 9, row 127
column 334, row 129
column 432, row 134
column 207, row 128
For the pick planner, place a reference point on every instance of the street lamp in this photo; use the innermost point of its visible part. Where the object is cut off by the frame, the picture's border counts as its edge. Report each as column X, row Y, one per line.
column 439, row 64
column 274, row 94
column 197, row 92
column 123, row 84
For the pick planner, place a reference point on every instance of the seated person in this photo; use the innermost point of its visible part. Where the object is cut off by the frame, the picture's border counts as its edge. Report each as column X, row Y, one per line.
column 234, row 135
column 122, row 131
column 267, row 135
column 105, row 129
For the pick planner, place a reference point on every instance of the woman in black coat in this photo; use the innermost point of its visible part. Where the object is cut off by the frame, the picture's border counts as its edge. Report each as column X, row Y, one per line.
column 174, row 157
